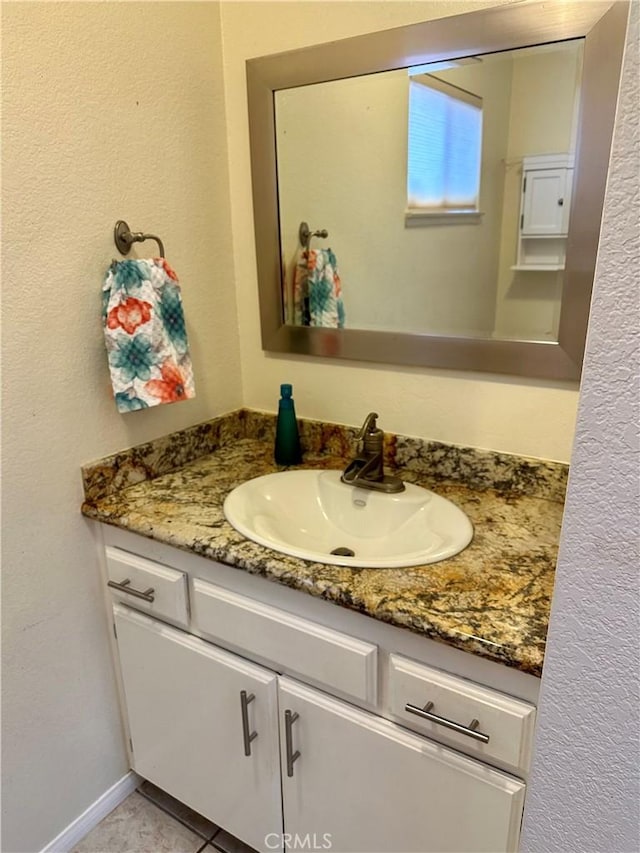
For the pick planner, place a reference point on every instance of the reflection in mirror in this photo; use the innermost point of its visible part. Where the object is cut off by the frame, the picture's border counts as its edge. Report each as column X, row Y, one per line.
column 389, row 164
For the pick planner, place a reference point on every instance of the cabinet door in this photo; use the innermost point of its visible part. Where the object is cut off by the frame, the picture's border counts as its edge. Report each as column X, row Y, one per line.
column 544, row 202
column 366, row 785
column 185, row 715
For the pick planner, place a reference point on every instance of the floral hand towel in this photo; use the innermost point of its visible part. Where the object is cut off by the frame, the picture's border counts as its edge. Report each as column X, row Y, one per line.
column 317, row 290
column 145, row 334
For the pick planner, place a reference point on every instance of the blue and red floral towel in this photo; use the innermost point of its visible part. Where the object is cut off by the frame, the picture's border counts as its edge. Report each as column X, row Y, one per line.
column 145, row 334
column 317, row 290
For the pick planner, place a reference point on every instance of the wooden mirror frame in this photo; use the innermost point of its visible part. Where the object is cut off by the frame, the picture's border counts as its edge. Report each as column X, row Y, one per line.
column 603, row 27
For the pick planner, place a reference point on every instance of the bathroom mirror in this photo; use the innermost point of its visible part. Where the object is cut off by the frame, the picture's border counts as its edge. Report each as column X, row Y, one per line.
column 510, row 287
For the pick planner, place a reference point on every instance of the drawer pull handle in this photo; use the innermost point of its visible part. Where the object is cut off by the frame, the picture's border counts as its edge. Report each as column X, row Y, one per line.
column 123, row 586
column 289, row 720
column 247, row 735
column 470, row 730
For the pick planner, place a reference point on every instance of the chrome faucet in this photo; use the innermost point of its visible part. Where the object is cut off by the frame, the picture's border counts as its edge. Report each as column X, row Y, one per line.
column 366, row 470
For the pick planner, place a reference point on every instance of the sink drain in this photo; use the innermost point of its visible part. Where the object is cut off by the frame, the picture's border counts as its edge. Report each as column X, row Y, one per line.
column 343, row 552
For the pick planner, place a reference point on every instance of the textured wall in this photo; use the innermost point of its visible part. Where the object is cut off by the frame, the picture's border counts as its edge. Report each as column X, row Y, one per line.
column 513, row 415
column 585, row 794
column 111, row 110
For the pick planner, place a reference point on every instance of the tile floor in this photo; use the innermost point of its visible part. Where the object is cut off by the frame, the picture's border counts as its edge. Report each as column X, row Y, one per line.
column 150, row 821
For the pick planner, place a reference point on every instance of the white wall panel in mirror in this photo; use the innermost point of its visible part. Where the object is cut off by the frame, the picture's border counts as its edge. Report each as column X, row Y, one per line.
column 342, row 166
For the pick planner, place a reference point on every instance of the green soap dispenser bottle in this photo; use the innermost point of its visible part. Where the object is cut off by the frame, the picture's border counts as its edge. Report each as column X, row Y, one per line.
column 287, row 450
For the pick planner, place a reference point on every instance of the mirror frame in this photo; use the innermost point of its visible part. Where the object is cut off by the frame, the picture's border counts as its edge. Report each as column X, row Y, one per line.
column 601, row 24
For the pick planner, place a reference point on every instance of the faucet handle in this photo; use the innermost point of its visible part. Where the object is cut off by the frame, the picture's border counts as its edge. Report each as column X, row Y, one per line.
column 369, row 427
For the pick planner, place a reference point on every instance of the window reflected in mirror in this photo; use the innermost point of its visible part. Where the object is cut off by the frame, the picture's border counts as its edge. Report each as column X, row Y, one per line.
column 445, row 191
column 444, row 142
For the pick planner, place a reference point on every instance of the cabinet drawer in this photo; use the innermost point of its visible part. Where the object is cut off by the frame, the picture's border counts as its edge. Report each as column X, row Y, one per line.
column 286, row 641
column 167, row 587
column 508, row 722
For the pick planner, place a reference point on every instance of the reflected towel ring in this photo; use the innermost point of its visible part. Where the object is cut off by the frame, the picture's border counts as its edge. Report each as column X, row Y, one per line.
column 305, row 234
column 124, row 238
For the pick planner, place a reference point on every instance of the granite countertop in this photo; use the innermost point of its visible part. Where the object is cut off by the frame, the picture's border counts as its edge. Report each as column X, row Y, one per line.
column 492, row 600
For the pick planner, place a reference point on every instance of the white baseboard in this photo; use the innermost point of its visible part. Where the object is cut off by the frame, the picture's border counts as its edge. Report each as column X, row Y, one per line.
column 92, row 816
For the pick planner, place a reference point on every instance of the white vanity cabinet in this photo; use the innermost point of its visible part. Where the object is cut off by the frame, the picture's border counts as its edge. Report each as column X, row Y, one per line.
column 373, row 786
column 192, row 712
column 267, row 736
column 547, row 181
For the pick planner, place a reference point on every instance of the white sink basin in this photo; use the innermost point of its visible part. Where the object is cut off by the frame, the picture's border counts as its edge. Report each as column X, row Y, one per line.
column 309, row 514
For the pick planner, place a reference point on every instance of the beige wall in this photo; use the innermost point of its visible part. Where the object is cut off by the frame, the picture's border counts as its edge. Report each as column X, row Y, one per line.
column 528, row 417
column 111, row 110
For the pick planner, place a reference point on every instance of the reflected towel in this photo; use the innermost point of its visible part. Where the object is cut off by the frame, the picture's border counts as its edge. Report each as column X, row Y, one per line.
column 317, row 290
column 145, row 335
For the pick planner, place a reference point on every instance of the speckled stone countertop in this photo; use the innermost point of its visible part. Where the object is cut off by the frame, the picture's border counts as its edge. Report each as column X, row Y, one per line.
column 492, row 600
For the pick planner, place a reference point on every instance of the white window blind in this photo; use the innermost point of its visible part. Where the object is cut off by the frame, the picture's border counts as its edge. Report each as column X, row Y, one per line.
column 445, row 146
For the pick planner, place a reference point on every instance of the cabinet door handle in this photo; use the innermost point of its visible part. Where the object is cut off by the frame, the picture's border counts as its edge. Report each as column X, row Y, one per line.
column 247, row 734
column 123, row 586
column 289, row 720
column 470, row 730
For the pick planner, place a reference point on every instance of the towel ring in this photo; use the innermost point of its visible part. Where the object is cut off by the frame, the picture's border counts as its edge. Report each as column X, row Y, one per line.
column 305, row 234
column 124, row 238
